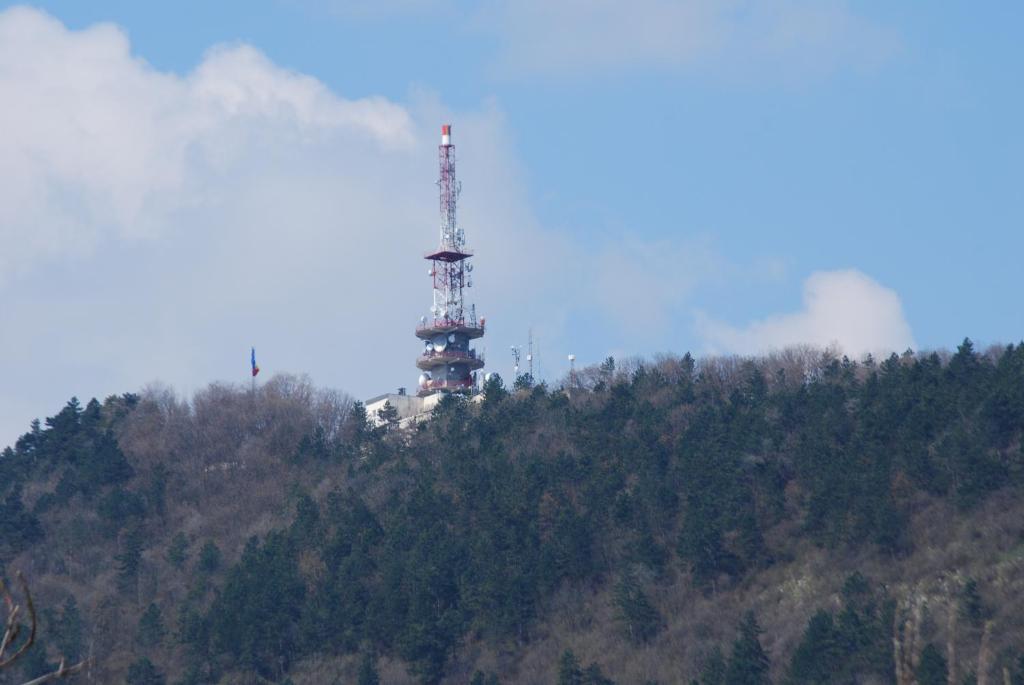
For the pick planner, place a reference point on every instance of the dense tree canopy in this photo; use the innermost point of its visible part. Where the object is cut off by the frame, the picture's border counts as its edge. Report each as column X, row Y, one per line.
column 464, row 527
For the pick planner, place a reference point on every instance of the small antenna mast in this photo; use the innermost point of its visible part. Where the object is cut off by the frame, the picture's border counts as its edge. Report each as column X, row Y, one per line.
column 515, row 363
column 572, row 371
column 529, row 355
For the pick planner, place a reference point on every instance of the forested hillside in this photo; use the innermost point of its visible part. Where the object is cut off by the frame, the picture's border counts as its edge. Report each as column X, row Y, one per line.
column 791, row 519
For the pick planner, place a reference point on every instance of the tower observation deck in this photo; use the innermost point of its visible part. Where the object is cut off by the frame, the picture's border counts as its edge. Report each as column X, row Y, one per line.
column 448, row 363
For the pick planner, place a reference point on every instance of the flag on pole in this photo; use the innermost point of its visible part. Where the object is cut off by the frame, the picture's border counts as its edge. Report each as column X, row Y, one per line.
column 255, row 368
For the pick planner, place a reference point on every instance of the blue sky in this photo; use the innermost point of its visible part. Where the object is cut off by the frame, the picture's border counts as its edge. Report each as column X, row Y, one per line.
column 638, row 177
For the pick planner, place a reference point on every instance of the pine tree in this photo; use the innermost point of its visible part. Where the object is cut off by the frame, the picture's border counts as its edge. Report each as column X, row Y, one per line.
column 70, row 631
column 748, row 664
column 151, row 629
column 357, row 424
column 972, row 607
column 594, row 676
column 388, row 415
column 714, row 669
column 569, row 671
column 524, row 381
column 143, row 672
column 209, row 557
column 129, row 560
column 156, row 492
column 932, row 668
column 494, row 388
column 636, row 613
column 818, row 657
column 177, row 551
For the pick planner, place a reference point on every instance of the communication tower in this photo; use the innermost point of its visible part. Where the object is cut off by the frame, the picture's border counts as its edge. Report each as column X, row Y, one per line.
column 447, row 362
column 529, row 356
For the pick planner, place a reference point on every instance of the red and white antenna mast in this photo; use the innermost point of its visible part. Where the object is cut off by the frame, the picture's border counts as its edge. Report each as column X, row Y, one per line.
column 448, row 362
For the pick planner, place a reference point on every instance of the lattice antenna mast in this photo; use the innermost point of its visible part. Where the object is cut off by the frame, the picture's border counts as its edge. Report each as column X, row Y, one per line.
column 529, row 356
column 451, row 266
column 451, row 236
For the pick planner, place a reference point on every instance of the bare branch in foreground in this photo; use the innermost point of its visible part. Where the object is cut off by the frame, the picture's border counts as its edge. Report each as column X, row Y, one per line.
column 12, row 628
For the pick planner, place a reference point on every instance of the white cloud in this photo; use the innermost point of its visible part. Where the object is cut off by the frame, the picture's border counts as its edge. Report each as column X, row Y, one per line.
column 845, row 309
column 96, row 143
column 155, row 225
column 568, row 37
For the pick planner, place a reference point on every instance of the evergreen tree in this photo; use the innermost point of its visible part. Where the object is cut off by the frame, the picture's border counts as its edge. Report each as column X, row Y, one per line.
column 177, row 551
column 151, row 629
column 748, row 663
column 818, row 657
column 608, row 369
column 638, row 616
column 569, row 671
column 701, row 544
column 713, row 672
column 524, row 381
column 972, row 607
column 494, row 388
column 143, row 672
column 130, row 559
column 69, row 633
column 593, row 675
column 357, row 423
column 209, row 558
column 388, row 415
column 120, row 508
column 156, row 492
column 932, row 669
column 19, row 529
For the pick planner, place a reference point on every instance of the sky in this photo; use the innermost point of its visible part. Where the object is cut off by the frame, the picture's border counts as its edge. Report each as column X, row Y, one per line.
column 181, row 181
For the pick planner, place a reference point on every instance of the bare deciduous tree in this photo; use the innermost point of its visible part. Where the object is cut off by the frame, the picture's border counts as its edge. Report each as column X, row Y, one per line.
column 13, row 628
